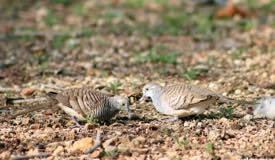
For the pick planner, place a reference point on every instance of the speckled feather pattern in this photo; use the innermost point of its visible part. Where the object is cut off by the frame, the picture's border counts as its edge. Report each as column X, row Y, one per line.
column 88, row 102
column 186, row 96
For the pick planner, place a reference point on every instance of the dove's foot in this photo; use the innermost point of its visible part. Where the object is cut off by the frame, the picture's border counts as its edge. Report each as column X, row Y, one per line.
column 77, row 124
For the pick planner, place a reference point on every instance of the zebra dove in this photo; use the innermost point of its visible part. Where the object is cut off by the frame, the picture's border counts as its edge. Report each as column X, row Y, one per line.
column 181, row 100
column 265, row 108
column 83, row 102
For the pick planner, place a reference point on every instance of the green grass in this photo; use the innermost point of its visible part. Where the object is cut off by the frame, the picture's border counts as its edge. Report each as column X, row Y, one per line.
column 79, row 9
column 115, row 86
column 155, row 57
column 209, row 148
column 64, row 2
column 237, row 53
column 134, row 3
column 247, row 24
column 59, row 40
column 194, row 73
column 227, row 112
column 52, row 18
column 110, row 154
column 112, row 14
column 92, row 120
column 166, row 131
column 181, row 142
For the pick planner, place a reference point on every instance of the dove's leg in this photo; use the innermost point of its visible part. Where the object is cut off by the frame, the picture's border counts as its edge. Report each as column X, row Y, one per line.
column 75, row 116
column 178, row 114
column 71, row 112
column 77, row 124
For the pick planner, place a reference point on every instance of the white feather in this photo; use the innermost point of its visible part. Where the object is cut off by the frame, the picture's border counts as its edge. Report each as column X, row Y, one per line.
column 265, row 108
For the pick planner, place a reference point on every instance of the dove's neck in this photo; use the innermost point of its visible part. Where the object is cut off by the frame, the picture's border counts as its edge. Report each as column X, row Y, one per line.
column 156, row 99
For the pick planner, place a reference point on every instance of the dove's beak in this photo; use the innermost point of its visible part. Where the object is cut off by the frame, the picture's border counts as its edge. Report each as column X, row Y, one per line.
column 142, row 99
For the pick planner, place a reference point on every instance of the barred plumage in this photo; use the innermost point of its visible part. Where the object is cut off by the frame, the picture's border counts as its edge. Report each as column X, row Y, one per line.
column 181, row 99
column 83, row 102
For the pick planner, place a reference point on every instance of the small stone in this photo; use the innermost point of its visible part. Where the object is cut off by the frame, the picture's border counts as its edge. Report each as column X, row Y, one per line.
column 82, row 145
column 25, row 121
column 35, row 126
column 247, row 117
column 27, row 91
column 58, row 150
column 109, row 144
column 95, row 154
column 238, row 91
column 138, row 140
column 5, row 155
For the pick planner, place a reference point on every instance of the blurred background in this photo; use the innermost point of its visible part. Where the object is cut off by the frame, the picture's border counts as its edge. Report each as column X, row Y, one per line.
column 190, row 40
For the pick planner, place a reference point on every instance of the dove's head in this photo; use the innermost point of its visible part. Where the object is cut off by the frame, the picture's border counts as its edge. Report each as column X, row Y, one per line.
column 122, row 103
column 150, row 90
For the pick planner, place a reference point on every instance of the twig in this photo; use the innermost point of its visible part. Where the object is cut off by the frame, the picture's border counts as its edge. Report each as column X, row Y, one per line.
column 8, row 89
column 21, row 100
column 22, row 157
column 97, row 143
column 25, row 112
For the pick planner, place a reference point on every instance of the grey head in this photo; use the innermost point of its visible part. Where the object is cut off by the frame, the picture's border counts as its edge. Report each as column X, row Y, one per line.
column 151, row 90
column 265, row 108
column 122, row 103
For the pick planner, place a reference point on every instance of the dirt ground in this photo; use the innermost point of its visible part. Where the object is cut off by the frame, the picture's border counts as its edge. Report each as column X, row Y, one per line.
column 116, row 47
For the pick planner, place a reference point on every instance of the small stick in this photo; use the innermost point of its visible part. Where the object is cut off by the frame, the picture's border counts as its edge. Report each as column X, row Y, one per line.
column 30, row 100
column 25, row 112
column 9, row 89
column 23, row 157
column 97, row 143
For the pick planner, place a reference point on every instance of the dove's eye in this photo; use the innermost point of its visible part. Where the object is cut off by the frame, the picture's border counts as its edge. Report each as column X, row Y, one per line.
column 123, row 104
column 146, row 89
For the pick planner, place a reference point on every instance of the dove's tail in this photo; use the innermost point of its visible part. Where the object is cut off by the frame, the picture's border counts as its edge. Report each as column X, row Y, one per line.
column 227, row 100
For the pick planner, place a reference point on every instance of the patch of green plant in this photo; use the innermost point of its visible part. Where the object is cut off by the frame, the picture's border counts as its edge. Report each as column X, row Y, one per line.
column 51, row 18
column 203, row 24
column 183, row 142
column 194, row 73
column 134, row 3
column 110, row 154
column 42, row 58
column 112, row 14
column 165, row 131
column 253, row 4
column 154, row 57
column 59, row 40
column 268, row 7
column 211, row 60
column 79, row 9
column 209, row 148
column 92, row 120
column 227, row 112
column 237, row 53
column 247, row 24
column 87, row 32
column 115, row 86
column 64, row 2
